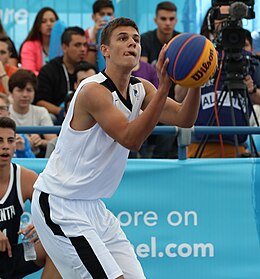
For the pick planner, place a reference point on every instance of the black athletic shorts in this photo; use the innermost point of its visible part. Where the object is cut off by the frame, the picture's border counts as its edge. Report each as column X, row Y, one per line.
column 16, row 267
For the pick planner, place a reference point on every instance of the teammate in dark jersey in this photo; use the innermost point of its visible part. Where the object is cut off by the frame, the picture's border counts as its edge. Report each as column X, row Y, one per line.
column 16, row 186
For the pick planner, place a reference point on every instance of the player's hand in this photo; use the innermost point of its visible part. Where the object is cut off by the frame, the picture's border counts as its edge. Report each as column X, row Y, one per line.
column 161, row 66
column 30, row 233
column 5, row 244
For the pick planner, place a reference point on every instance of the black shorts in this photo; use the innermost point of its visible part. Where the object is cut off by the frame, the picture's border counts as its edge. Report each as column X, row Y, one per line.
column 16, row 267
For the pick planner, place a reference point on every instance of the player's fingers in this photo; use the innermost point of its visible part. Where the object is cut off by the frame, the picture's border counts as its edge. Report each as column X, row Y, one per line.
column 9, row 249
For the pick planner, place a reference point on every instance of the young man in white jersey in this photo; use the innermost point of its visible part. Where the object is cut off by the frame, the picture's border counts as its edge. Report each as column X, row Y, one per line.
column 103, row 123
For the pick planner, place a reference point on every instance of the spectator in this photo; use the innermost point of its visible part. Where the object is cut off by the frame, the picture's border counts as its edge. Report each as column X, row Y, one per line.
column 35, row 48
column 16, row 187
column 148, row 72
column 57, row 78
column 82, row 71
column 100, row 8
column 13, row 60
column 23, row 147
column 216, row 146
column 22, row 86
column 6, row 70
column 152, row 41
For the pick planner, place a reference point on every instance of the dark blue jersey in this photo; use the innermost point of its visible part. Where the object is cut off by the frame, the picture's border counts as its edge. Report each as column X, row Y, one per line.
column 11, row 206
column 240, row 104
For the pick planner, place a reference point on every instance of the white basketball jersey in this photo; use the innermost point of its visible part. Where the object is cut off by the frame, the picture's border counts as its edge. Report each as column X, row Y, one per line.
column 90, row 164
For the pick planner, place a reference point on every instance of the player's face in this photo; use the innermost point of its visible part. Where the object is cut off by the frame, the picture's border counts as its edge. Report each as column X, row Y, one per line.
column 7, row 145
column 166, row 21
column 48, row 20
column 124, row 48
column 76, row 51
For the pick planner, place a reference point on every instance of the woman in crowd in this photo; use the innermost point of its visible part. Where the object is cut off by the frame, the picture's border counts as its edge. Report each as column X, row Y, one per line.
column 34, row 51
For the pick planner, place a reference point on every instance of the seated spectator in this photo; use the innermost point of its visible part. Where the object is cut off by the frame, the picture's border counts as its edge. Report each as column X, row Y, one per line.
column 16, row 187
column 57, row 78
column 35, row 49
column 22, row 86
column 83, row 70
column 13, row 60
column 6, row 70
column 23, row 147
column 146, row 71
column 100, row 8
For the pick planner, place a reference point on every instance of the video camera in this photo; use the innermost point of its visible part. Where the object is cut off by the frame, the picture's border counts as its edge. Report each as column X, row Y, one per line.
column 231, row 38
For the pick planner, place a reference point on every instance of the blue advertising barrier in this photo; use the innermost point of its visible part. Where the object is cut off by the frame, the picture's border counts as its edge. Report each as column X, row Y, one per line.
column 195, row 218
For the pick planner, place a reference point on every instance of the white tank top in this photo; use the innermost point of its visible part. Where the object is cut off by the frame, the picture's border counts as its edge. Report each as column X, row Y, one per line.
column 89, row 164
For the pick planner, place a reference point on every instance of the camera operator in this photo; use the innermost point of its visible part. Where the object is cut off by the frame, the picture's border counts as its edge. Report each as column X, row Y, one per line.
column 235, row 113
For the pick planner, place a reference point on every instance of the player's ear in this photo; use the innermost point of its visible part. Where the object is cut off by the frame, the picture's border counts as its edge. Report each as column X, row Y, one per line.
column 105, row 50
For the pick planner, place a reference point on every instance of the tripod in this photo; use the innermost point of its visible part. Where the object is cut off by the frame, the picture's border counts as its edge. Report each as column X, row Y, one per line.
column 235, row 94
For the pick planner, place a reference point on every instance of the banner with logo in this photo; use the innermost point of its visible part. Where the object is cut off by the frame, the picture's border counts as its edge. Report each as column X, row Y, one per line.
column 196, row 218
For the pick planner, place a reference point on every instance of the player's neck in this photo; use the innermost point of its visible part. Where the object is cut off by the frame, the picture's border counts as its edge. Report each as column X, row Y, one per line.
column 120, row 79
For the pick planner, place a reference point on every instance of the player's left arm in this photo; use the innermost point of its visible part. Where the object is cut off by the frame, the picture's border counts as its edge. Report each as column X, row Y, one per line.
column 179, row 114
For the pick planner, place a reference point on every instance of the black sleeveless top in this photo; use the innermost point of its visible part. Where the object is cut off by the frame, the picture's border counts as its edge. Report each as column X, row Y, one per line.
column 11, row 206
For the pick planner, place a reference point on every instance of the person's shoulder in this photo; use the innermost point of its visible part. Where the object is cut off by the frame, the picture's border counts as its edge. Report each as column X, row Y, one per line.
column 35, row 44
column 52, row 67
column 148, row 34
column 39, row 110
column 10, row 69
column 28, row 176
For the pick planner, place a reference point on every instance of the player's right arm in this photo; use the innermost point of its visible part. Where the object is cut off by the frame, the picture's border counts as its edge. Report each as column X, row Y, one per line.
column 5, row 244
column 94, row 104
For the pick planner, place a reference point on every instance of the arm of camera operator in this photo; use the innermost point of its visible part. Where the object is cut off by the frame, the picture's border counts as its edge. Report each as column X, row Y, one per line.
column 253, row 91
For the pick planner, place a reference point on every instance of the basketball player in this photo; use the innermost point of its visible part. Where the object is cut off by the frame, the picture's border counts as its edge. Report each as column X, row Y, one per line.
column 103, row 123
column 16, row 186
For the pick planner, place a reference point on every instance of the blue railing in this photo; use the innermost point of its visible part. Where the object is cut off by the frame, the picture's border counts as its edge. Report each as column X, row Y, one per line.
column 183, row 134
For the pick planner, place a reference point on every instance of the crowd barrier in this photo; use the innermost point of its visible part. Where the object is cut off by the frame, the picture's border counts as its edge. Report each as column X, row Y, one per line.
column 183, row 134
column 195, row 218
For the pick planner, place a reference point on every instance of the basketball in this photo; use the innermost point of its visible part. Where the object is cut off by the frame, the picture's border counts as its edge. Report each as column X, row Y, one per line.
column 193, row 59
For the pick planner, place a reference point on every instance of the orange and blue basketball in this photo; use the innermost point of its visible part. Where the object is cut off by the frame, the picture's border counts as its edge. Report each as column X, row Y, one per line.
column 193, row 59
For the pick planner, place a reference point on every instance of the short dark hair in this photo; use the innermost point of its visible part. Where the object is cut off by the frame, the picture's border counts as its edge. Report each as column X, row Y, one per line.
column 7, row 123
column 112, row 25
column 168, row 6
column 84, row 66
column 101, row 4
column 66, row 36
column 21, row 78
